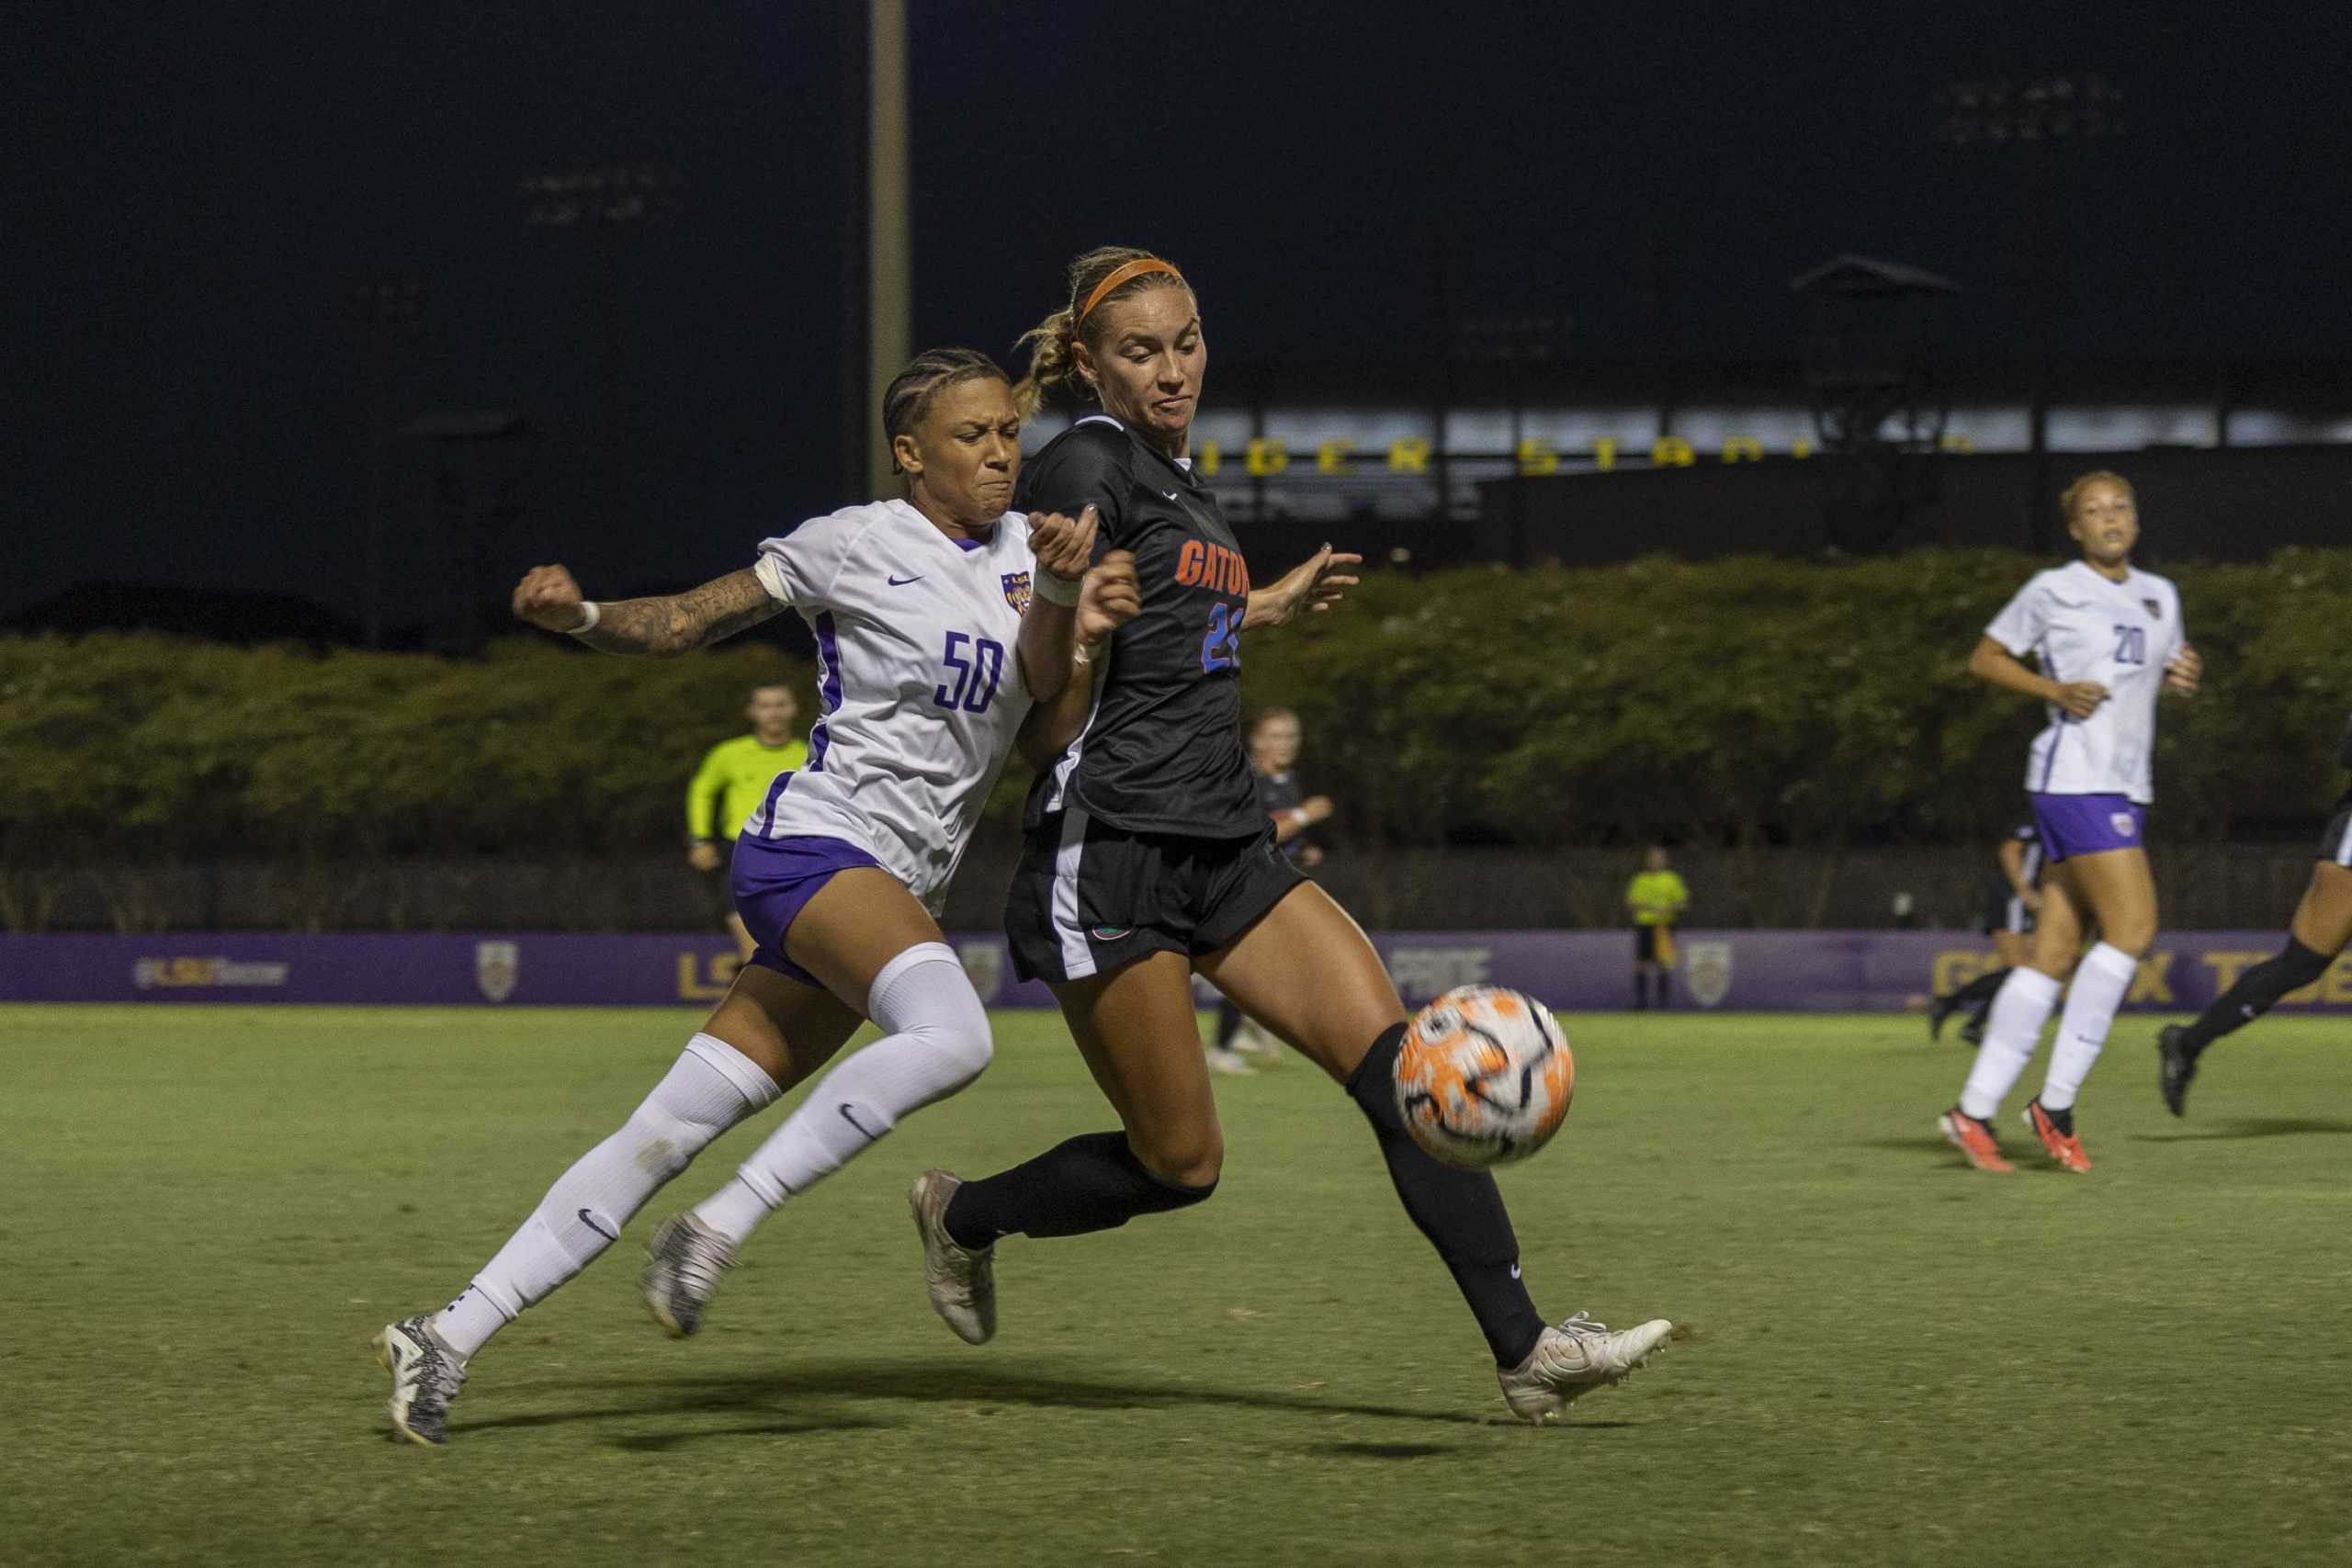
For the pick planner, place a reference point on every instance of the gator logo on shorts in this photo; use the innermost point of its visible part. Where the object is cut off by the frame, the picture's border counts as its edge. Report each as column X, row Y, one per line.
column 1016, row 591
column 2124, row 826
column 1112, row 934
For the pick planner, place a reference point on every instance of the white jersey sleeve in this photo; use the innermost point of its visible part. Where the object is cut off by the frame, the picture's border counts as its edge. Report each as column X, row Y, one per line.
column 2023, row 620
column 801, row 565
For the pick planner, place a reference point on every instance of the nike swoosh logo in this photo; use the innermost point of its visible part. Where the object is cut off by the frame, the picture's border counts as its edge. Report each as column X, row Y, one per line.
column 870, row 1137
column 590, row 1221
column 902, row 581
column 1168, row 493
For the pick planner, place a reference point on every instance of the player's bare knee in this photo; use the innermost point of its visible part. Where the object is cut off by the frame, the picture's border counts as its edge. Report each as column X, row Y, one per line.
column 1192, row 1160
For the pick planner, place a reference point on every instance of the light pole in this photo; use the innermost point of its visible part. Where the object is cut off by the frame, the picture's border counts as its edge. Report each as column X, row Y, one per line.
column 603, row 206
column 378, row 308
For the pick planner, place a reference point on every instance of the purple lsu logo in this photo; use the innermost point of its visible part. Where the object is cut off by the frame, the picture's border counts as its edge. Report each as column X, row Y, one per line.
column 1016, row 592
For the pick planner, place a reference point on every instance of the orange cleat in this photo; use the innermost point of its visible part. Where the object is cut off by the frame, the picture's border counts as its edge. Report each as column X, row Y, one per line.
column 2064, row 1147
column 1971, row 1138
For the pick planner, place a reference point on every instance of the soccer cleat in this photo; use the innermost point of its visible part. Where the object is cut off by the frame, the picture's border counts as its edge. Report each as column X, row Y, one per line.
column 427, row 1376
column 2176, row 1069
column 1225, row 1059
column 1971, row 1138
column 962, row 1279
column 1972, row 1033
column 684, row 1260
column 1574, row 1358
column 2064, row 1147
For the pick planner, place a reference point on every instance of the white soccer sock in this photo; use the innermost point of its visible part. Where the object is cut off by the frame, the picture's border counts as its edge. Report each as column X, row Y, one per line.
column 711, row 1087
column 938, row 1043
column 2100, row 985
column 2014, row 1027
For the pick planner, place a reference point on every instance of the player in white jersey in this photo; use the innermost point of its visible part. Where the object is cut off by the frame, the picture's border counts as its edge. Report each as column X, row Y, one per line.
column 2108, row 639
column 931, row 651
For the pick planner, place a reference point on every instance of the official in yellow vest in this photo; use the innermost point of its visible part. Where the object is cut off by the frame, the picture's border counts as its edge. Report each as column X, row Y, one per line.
column 1655, row 897
column 729, row 785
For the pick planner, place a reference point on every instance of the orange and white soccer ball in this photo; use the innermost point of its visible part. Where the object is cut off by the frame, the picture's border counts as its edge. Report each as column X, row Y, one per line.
column 1484, row 1075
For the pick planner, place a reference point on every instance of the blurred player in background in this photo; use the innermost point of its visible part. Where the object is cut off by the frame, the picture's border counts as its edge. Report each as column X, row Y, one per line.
column 2110, row 640
column 1655, row 897
column 1274, row 753
column 2321, row 929
column 1149, row 858
column 929, row 651
column 729, row 785
column 2011, row 903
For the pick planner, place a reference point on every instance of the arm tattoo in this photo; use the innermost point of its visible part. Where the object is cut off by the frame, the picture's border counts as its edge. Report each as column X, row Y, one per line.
column 683, row 622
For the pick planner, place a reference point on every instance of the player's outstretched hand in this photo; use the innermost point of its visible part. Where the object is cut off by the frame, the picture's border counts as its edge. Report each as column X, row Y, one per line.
column 2081, row 698
column 548, row 598
column 1315, row 583
column 1110, row 599
column 2184, row 670
column 1062, row 547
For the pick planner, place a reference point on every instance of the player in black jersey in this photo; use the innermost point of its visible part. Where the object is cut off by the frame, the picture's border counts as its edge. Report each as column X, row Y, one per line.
column 1150, row 858
column 2012, row 901
column 2322, row 929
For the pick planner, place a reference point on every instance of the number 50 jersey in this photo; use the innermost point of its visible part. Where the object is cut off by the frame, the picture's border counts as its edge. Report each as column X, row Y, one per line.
column 918, row 684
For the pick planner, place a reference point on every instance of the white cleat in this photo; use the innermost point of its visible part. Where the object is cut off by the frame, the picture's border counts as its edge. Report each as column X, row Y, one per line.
column 1227, row 1060
column 962, row 1279
column 683, row 1262
column 427, row 1375
column 1573, row 1358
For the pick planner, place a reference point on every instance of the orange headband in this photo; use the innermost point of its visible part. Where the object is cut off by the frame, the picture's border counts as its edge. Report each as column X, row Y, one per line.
column 1122, row 274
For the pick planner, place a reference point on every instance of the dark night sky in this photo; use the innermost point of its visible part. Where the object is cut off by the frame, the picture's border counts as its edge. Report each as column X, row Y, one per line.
column 195, row 186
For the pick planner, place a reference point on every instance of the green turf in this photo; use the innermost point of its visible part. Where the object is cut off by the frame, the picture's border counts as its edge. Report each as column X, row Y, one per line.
column 1888, row 1358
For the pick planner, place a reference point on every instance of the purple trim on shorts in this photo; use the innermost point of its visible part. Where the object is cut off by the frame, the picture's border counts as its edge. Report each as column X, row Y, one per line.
column 774, row 879
column 2087, row 824
column 828, row 688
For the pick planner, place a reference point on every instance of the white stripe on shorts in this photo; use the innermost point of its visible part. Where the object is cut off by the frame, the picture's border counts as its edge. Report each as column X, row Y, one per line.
column 1078, row 959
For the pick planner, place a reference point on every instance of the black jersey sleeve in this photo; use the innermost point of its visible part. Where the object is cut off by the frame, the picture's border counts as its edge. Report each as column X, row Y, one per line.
column 1086, row 465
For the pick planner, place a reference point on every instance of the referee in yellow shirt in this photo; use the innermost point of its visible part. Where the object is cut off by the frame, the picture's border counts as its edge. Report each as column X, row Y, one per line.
column 1655, row 897
column 729, row 785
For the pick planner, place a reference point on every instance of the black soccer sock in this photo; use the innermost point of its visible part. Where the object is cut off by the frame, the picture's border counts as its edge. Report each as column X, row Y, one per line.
column 1093, row 1183
column 1665, row 978
column 1641, row 991
column 2257, row 990
column 1978, row 993
column 1229, row 1023
column 1460, row 1211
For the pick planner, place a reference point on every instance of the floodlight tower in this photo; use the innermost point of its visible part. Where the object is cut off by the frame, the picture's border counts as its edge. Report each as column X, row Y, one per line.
column 2043, row 123
column 605, row 206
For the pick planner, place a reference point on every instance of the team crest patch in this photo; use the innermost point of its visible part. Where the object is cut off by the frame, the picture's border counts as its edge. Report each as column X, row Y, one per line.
column 1706, row 971
column 2123, row 824
column 1016, row 592
column 2155, row 610
column 497, row 967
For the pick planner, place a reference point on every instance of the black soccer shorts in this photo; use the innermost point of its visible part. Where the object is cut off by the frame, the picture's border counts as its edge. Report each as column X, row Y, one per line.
column 1088, row 897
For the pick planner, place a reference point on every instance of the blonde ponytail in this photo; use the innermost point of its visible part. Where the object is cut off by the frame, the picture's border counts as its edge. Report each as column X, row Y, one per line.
column 1051, row 362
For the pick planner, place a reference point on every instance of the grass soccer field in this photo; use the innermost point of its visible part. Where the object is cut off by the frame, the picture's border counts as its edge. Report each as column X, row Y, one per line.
column 1885, row 1358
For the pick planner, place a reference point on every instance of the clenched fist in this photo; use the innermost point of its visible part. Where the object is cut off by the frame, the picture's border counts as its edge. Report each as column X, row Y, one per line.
column 550, row 599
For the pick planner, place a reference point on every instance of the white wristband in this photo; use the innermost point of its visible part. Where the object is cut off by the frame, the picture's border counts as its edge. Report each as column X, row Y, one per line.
column 1054, row 590
column 595, row 613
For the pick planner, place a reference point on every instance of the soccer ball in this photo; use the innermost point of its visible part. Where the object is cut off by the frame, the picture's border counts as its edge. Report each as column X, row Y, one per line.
column 1484, row 1075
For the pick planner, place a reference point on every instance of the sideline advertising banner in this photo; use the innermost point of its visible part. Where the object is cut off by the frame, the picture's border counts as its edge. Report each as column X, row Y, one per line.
column 1764, row 970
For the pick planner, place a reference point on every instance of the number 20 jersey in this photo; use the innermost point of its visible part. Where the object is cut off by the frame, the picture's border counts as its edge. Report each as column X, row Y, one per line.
column 2084, row 627
column 918, row 683
column 1161, row 751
